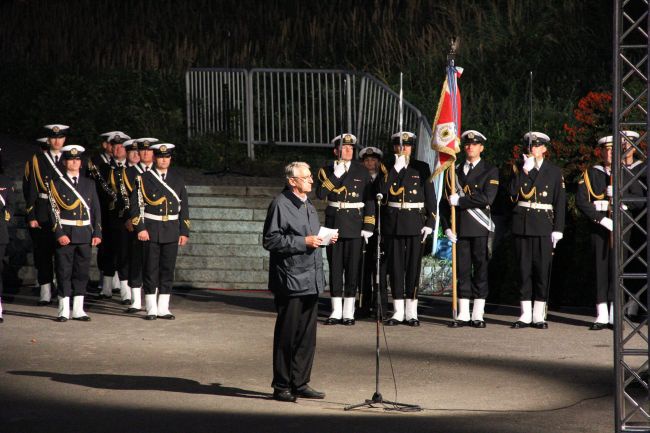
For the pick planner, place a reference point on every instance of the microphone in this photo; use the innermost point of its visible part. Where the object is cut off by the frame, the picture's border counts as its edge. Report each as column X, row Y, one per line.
column 379, row 196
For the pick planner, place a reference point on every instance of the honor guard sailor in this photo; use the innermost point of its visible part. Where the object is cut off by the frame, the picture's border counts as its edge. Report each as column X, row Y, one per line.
column 160, row 216
column 6, row 215
column 145, row 163
column 477, row 183
column 41, row 168
column 347, row 187
column 537, row 189
column 594, row 199
column 407, row 219
column 76, row 218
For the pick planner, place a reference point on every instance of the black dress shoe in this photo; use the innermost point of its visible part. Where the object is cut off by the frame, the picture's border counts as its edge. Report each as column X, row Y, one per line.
column 413, row 322
column 331, row 321
column 61, row 319
column 131, row 310
column 478, row 324
column 392, row 322
column 126, row 302
column 540, row 325
column 519, row 325
column 309, row 392
column 610, row 326
column 167, row 317
column 459, row 323
column 1, row 320
column 284, row 395
column 598, row 326
column 82, row 318
column 43, row 303
column 348, row 322
column 102, row 296
column 150, row 317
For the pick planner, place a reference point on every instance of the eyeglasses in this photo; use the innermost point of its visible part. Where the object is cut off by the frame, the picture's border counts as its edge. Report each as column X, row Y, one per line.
column 304, row 178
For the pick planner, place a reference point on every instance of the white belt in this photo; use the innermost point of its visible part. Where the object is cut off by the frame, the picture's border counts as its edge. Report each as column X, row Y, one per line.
column 160, row 217
column 405, row 205
column 531, row 205
column 601, row 205
column 345, row 205
column 43, row 196
column 78, row 223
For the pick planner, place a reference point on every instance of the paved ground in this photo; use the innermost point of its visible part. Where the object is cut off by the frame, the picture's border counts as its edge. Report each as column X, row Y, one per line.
column 209, row 371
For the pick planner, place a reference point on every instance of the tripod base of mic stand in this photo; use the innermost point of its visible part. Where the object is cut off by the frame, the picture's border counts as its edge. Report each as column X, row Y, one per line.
column 378, row 399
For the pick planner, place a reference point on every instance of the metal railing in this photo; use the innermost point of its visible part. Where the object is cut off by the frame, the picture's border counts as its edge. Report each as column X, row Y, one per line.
column 294, row 107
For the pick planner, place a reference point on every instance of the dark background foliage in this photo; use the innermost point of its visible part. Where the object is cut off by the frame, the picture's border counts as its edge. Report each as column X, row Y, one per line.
column 115, row 64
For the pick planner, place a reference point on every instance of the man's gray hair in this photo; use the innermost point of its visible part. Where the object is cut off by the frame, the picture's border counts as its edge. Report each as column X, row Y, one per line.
column 290, row 170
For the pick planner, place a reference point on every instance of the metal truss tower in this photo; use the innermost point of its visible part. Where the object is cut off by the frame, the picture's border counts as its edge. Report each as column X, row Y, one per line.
column 631, row 227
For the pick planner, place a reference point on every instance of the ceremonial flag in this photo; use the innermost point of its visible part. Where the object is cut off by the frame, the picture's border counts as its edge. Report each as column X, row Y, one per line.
column 446, row 125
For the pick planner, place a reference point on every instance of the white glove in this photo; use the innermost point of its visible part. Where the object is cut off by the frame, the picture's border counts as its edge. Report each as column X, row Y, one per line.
column 451, row 236
column 400, row 163
column 426, row 231
column 610, row 191
column 623, row 206
column 453, row 199
column 607, row 223
column 365, row 234
column 339, row 168
column 529, row 163
column 556, row 237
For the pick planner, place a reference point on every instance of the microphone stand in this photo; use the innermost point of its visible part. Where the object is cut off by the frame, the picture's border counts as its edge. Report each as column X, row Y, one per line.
column 377, row 397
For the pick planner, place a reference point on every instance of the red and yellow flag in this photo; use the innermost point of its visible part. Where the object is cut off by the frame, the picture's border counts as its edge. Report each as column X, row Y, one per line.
column 446, row 125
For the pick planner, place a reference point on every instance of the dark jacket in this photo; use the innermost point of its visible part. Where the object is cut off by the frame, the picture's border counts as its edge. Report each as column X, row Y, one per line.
column 71, row 208
column 355, row 186
column 480, row 187
column 295, row 269
column 39, row 171
column 410, row 185
column 6, row 207
column 544, row 186
column 159, row 201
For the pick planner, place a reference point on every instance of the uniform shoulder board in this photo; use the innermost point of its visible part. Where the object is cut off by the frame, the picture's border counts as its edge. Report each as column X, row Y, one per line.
column 494, row 181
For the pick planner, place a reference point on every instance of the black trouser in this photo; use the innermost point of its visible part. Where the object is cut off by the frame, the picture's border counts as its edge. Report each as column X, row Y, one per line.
column 294, row 341
column 471, row 254
column 344, row 257
column 3, row 247
column 106, row 255
column 121, row 240
column 535, row 254
column 603, row 264
column 404, row 256
column 72, row 268
column 367, row 301
column 159, row 264
column 136, row 260
column 43, row 245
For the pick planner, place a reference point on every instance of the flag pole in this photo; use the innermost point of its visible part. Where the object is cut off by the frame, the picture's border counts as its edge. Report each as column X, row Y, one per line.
column 454, row 280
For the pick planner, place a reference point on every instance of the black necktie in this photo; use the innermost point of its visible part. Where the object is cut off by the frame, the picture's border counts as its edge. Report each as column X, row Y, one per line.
column 469, row 168
column 146, row 168
column 74, row 181
column 163, row 176
column 56, row 159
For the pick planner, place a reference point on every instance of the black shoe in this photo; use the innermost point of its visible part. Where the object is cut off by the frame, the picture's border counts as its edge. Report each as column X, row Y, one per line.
column 309, row 392
column 1, row 320
column 284, row 395
column 43, row 303
column 478, row 324
column 598, row 326
column 610, row 326
column 82, row 318
column 61, row 319
column 150, row 317
column 392, row 322
column 167, row 317
column 331, row 321
column 102, row 296
column 126, row 302
column 131, row 310
column 348, row 322
column 459, row 323
column 413, row 322
column 540, row 325
column 519, row 325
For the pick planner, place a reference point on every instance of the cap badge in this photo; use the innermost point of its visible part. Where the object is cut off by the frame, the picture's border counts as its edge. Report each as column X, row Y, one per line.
column 73, row 151
column 163, row 148
column 470, row 136
column 56, row 129
column 405, row 136
column 347, row 138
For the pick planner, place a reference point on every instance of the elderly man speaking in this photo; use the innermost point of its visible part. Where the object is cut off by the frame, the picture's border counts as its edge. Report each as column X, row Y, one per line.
column 296, row 278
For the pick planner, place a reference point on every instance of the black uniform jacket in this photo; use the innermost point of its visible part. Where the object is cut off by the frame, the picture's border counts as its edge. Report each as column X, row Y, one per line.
column 6, row 207
column 355, row 186
column 159, row 201
column 544, row 186
column 39, row 171
column 72, row 209
column 410, row 185
column 117, row 181
column 480, row 187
